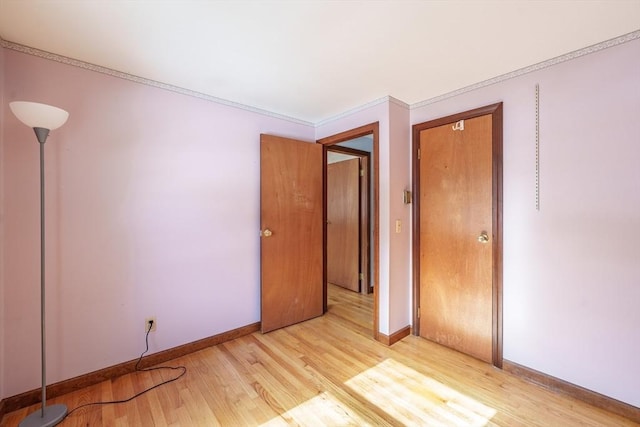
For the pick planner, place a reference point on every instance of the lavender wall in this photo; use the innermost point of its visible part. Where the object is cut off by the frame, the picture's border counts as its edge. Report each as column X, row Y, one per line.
column 572, row 269
column 399, row 243
column 152, row 209
column 3, row 322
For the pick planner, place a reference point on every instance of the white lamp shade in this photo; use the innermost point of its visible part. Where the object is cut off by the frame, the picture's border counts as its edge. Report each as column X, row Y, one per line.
column 36, row 115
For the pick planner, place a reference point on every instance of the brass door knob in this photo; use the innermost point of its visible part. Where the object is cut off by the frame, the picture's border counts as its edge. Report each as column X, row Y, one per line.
column 483, row 237
column 267, row 233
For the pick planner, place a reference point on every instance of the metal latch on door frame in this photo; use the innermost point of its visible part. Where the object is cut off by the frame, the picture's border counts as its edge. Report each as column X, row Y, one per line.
column 459, row 125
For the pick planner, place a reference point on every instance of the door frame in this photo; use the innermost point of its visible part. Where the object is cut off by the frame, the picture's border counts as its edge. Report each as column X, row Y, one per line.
column 364, row 227
column 495, row 110
column 374, row 130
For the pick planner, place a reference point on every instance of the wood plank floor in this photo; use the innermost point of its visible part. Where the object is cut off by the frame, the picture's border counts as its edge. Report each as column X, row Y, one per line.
column 328, row 372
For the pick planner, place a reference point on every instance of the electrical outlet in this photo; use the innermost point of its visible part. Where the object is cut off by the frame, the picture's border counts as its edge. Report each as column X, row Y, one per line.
column 153, row 326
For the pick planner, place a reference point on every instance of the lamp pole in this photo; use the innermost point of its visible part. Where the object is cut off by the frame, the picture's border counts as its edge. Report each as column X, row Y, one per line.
column 42, row 134
column 42, row 118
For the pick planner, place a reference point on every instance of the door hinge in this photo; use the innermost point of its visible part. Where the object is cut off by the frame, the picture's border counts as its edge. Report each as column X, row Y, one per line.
column 361, row 172
column 418, row 154
column 361, row 276
column 418, row 312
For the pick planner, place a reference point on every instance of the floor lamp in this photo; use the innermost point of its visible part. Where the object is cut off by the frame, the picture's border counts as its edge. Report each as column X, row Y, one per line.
column 42, row 118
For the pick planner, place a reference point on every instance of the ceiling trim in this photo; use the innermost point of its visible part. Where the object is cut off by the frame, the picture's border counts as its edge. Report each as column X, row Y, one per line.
column 126, row 76
column 119, row 74
column 539, row 66
column 388, row 98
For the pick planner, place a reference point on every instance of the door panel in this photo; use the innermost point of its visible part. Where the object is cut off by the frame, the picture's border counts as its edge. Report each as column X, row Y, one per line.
column 291, row 251
column 343, row 223
column 365, row 227
column 455, row 210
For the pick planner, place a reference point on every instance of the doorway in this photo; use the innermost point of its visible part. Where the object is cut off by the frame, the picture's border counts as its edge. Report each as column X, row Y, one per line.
column 457, row 257
column 348, row 142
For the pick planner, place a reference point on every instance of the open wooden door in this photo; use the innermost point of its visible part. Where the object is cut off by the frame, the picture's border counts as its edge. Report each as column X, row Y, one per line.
column 343, row 224
column 291, row 216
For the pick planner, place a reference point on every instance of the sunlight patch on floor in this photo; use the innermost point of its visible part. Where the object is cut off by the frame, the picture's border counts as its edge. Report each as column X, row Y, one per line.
column 322, row 410
column 415, row 399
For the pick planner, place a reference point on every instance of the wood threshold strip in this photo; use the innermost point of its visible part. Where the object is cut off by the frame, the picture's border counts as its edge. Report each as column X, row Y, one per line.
column 32, row 397
column 394, row 337
column 563, row 387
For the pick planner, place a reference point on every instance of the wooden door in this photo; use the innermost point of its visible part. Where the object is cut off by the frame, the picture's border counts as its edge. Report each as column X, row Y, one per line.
column 343, row 224
column 291, row 216
column 365, row 227
column 456, row 234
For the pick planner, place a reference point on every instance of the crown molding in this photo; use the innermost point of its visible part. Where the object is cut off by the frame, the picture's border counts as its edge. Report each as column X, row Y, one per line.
column 539, row 66
column 148, row 82
column 352, row 111
column 526, row 70
column 398, row 102
column 384, row 99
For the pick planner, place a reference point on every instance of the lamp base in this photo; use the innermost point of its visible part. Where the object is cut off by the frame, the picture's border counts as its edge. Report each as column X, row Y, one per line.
column 53, row 414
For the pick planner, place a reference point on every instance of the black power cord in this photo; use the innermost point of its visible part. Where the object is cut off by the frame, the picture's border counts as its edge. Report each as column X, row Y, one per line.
column 182, row 369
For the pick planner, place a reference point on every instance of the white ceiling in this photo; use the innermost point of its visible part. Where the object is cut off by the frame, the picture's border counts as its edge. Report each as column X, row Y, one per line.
column 312, row 60
column 333, row 157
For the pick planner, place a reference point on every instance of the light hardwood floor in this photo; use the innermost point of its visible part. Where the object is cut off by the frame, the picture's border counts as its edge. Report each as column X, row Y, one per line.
column 329, row 372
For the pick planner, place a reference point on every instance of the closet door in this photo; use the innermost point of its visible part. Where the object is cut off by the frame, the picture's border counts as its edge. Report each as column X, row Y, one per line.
column 456, row 235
